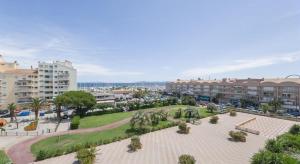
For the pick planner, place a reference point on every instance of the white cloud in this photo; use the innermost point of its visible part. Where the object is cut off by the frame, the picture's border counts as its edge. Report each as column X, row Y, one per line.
column 98, row 70
column 242, row 64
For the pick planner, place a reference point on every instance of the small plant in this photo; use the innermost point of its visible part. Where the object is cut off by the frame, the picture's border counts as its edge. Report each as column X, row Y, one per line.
column 295, row 129
column 274, row 146
column 135, row 143
column 186, row 159
column 75, row 122
column 232, row 113
column 238, row 136
column 178, row 113
column 211, row 107
column 214, row 119
column 41, row 155
column 163, row 115
column 183, row 128
column 86, row 156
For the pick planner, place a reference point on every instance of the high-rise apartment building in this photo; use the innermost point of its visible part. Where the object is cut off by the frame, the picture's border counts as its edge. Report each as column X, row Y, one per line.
column 56, row 78
column 233, row 90
column 47, row 81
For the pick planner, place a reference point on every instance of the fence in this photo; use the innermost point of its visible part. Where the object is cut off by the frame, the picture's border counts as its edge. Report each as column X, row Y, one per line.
column 27, row 133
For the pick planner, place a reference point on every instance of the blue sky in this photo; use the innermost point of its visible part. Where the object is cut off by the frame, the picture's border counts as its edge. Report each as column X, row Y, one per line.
column 155, row 40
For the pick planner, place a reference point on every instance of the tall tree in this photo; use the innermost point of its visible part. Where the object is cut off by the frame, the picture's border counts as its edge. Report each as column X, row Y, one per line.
column 59, row 101
column 36, row 105
column 140, row 119
column 80, row 100
column 265, row 107
column 12, row 108
column 276, row 105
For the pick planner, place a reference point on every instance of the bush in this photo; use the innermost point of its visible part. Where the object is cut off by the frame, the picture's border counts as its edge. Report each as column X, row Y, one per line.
column 186, row 159
column 75, row 122
column 264, row 157
column 238, row 136
column 211, row 107
column 41, row 155
column 86, row 156
column 295, row 129
column 135, row 143
column 183, row 128
column 214, row 119
column 178, row 113
column 32, row 126
column 232, row 113
column 274, row 146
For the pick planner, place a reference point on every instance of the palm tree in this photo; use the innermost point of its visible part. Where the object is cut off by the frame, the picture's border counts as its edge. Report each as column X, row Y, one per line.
column 191, row 113
column 142, row 119
column 36, row 105
column 265, row 107
column 59, row 102
column 276, row 104
column 12, row 107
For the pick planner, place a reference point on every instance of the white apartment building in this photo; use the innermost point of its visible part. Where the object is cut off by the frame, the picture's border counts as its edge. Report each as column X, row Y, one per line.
column 56, row 78
column 47, row 81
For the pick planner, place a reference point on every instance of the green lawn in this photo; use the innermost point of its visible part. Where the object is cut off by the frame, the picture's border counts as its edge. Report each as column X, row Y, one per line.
column 65, row 142
column 96, row 121
column 202, row 111
column 4, row 158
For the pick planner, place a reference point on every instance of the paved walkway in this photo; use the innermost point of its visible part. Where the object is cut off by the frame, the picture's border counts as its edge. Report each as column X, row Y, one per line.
column 208, row 143
column 21, row 152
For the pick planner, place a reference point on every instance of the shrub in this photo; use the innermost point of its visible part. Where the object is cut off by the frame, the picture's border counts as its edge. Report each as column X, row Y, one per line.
column 86, row 156
column 232, row 113
column 41, row 155
column 295, row 129
column 238, row 136
column 75, row 122
column 211, row 107
column 290, row 142
column 274, row 146
column 265, row 156
column 183, row 128
column 186, row 159
column 214, row 119
column 178, row 113
column 135, row 143
column 163, row 115
column 32, row 126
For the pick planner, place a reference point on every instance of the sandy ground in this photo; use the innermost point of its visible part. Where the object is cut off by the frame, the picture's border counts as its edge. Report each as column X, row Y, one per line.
column 208, row 143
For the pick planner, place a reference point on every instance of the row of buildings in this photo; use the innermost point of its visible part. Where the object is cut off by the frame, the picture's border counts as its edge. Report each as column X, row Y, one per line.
column 46, row 82
column 233, row 90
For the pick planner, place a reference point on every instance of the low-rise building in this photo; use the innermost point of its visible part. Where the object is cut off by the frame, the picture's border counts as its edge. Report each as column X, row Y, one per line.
column 233, row 90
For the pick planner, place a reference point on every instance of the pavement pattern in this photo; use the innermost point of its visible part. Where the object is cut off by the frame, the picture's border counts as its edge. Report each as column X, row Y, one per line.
column 208, row 143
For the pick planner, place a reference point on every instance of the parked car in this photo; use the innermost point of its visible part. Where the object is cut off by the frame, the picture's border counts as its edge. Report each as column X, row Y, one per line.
column 5, row 116
column 3, row 112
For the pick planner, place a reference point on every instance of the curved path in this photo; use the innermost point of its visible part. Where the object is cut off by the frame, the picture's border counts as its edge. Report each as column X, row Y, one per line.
column 21, row 153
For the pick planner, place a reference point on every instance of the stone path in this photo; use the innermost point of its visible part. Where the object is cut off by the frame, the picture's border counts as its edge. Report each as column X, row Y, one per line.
column 21, row 153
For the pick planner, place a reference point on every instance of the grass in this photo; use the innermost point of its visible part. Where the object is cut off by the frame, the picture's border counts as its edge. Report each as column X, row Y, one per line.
column 96, row 121
column 65, row 142
column 202, row 111
column 4, row 158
